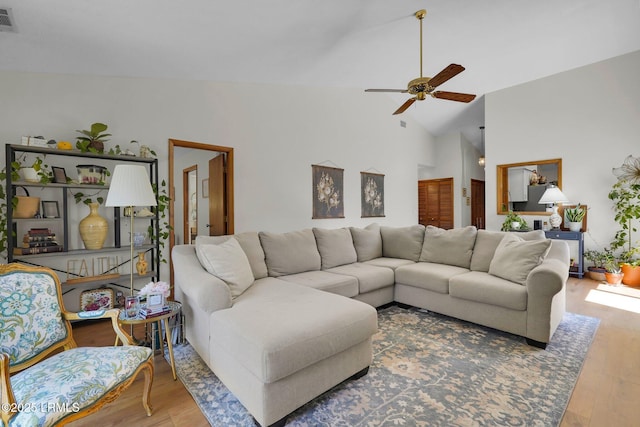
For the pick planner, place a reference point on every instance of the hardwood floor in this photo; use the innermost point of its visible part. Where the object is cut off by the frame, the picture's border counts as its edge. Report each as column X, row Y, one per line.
column 606, row 393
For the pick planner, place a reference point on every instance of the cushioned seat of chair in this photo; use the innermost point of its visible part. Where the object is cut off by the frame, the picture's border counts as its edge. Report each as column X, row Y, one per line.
column 77, row 378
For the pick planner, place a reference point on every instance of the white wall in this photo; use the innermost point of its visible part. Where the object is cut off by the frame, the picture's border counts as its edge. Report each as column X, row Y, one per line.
column 278, row 132
column 589, row 117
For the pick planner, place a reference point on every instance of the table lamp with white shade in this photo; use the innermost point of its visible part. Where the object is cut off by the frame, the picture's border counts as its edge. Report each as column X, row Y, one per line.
column 552, row 196
column 130, row 186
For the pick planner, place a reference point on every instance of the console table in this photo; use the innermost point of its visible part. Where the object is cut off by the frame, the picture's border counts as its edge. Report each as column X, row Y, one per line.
column 574, row 270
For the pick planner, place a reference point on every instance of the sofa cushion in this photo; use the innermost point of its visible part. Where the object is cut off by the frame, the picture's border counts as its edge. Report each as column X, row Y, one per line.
column 340, row 284
column 391, row 263
column 278, row 328
column 228, row 262
column 482, row 287
column 430, row 276
column 367, row 241
column 516, row 257
column 370, row 277
column 290, row 253
column 402, row 242
column 452, row 247
column 488, row 241
column 250, row 244
column 335, row 247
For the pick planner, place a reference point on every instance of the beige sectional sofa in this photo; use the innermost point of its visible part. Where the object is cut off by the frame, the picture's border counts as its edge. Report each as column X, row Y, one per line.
column 281, row 318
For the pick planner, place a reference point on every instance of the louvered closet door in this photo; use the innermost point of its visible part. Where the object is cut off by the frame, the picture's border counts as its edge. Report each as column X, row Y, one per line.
column 435, row 202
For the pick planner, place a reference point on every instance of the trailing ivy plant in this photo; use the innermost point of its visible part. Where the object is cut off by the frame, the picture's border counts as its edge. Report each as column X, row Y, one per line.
column 162, row 212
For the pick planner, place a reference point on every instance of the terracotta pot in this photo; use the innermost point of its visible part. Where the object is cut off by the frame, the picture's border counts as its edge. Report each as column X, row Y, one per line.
column 614, row 278
column 631, row 275
column 93, row 228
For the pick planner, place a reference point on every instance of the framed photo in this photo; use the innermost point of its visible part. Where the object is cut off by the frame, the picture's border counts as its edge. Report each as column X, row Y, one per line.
column 50, row 209
column 155, row 301
column 205, row 188
column 59, row 175
column 371, row 194
column 328, row 197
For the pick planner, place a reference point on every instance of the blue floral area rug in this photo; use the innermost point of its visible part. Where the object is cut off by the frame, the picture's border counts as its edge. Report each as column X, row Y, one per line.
column 429, row 370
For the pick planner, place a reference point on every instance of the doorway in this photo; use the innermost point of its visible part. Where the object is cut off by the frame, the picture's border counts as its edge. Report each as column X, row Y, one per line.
column 477, row 204
column 179, row 149
column 435, row 202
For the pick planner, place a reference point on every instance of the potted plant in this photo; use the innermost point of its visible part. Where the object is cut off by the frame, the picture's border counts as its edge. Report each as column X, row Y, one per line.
column 614, row 274
column 625, row 195
column 92, row 140
column 599, row 260
column 575, row 217
column 513, row 221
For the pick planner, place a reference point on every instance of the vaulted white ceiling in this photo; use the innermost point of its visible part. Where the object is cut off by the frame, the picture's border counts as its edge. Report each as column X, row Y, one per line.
column 340, row 43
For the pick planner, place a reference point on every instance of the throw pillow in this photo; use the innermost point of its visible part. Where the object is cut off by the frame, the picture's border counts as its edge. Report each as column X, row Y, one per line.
column 228, row 262
column 335, row 247
column 451, row 247
column 515, row 257
column 367, row 241
column 290, row 253
column 488, row 241
column 402, row 242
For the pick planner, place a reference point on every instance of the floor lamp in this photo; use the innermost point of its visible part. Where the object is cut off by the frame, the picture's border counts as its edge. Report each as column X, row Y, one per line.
column 130, row 186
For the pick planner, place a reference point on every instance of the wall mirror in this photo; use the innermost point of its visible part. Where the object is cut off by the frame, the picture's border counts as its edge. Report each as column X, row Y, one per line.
column 520, row 185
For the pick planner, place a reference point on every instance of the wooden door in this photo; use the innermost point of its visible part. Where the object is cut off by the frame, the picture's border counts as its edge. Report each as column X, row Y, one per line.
column 435, row 202
column 477, row 204
column 217, row 196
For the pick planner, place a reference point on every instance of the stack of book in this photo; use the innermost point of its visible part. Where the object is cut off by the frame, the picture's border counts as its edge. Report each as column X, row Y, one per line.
column 146, row 312
column 38, row 241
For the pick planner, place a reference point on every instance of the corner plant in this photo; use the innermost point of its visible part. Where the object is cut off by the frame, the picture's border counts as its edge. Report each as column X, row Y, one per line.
column 92, row 140
column 510, row 219
column 625, row 195
column 599, row 259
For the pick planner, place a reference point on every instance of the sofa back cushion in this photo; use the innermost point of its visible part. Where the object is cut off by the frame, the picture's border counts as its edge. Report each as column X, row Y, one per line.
column 488, row 241
column 335, row 247
column 451, row 247
column 250, row 244
column 402, row 242
column 290, row 253
column 227, row 261
column 367, row 241
column 515, row 257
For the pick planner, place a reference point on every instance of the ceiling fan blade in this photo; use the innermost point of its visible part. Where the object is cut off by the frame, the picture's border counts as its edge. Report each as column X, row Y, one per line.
column 451, row 71
column 404, row 106
column 454, row 96
column 387, row 90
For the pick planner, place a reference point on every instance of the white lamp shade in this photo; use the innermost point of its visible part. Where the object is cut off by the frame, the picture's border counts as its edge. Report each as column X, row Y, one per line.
column 553, row 195
column 130, row 186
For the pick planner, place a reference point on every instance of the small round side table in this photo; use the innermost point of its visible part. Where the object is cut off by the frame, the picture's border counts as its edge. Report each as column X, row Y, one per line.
column 175, row 308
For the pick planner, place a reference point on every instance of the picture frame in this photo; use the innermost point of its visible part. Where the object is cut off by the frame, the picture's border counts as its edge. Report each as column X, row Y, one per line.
column 371, row 195
column 59, row 175
column 327, row 192
column 205, row 188
column 50, row 209
column 155, row 301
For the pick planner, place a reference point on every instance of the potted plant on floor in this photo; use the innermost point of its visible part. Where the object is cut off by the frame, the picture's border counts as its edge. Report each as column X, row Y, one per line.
column 625, row 195
column 614, row 274
column 599, row 261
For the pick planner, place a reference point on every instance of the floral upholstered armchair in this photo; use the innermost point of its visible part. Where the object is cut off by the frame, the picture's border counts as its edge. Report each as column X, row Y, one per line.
column 42, row 386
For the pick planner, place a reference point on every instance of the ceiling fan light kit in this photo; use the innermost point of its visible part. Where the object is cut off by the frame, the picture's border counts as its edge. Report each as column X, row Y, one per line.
column 423, row 86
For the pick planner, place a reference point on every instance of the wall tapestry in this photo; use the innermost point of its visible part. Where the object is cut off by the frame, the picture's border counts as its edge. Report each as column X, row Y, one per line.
column 327, row 192
column 371, row 194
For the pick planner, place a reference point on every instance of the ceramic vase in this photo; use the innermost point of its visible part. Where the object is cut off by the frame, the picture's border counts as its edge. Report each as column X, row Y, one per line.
column 142, row 265
column 93, row 228
column 575, row 226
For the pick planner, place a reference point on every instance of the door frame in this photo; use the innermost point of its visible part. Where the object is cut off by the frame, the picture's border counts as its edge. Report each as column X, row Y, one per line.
column 228, row 151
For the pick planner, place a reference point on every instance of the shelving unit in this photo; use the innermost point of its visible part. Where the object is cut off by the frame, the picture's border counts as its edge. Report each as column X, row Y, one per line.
column 576, row 236
column 67, row 224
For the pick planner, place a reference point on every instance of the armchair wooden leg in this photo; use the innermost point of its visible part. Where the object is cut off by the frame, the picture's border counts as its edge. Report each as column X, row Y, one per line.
column 148, row 381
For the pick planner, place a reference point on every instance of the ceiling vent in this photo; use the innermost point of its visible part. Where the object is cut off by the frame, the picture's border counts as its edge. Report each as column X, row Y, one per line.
column 6, row 20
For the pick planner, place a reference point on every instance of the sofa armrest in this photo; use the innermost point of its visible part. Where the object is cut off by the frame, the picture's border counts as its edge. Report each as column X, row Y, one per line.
column 192, row 280
column 550, row 276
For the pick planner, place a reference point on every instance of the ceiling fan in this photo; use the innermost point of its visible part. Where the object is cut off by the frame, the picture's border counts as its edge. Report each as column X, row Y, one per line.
column 423, row 86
